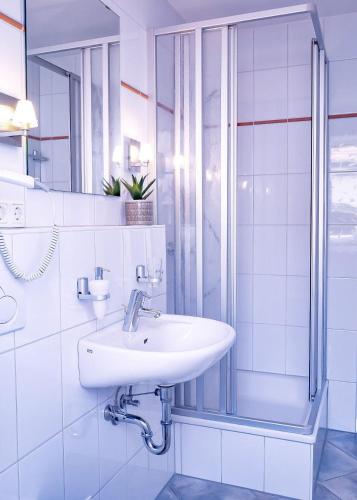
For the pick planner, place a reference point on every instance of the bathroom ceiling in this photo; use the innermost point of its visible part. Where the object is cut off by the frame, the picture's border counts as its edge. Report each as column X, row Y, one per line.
column 194, row 10
column 76, row 19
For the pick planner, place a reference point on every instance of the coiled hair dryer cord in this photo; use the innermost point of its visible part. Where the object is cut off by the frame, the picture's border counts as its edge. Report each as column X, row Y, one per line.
column 15, row 271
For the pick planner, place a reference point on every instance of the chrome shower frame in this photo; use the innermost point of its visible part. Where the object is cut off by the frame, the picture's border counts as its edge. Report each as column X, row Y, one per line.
column 317, row 369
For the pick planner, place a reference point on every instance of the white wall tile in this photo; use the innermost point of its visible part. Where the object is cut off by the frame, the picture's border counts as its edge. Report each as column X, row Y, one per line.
column 77, row 400
column 342, row 355
column 108, row 211
column 245, row 298
column 134, row 254
column 116, row 488
column 299, row 147
column 295, row 459
column 81, row 458
column 342, row 241
column 245, row 150
column 245, row 199
column 270, row 249
column 298, row 250
column 297, row 351
column 112, row 447
column 78, row 209
column 244, row 346
column 9, row 485
column 14, row 10
column 243, row 460
column 297, row 300
column 342, row 195
column 201, row 452
column 38, row 372
column 342, row 406
column 7, row 342
column 299, row 91
column 8, row 429
column 270, row 46
column 269, row 307
column 245, row 97
column 270, row 149
column 270, row 199
column 139, row 478
column 41, row 472
column 342, row 144
column 341, row 312
column 343, row 81
column 299, row 189
column 269, row 348
column 270, row 94
column 42, row 295
column 244, row 249
column 300, row 34
column 39, row 211
column 77, row 260
column 109, row 254
column 245, row 49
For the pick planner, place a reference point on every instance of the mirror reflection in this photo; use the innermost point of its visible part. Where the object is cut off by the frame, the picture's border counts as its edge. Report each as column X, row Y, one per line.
column 73, row 80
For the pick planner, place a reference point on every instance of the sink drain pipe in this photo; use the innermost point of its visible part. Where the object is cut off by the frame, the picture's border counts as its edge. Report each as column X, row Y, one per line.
column 116, row 414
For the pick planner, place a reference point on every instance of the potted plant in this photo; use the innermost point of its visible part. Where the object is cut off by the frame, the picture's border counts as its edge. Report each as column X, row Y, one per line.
column 139, row 211
column 112, row 187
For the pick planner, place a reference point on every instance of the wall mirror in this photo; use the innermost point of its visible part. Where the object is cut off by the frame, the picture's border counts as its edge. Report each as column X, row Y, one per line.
column 73, row 80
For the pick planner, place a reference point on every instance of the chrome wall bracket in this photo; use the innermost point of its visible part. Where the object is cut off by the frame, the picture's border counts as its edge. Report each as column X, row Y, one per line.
column 83, row 292
column 142, row 275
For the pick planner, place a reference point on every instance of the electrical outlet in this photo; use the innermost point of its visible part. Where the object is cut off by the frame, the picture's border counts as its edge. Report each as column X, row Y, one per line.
column 12, row 214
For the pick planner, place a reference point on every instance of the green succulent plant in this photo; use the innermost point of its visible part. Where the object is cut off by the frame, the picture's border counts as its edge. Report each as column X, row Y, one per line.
column 112, row 187
column 137, row 189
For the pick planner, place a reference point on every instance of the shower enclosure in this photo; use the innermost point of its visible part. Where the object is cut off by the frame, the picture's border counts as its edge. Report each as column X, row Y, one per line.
column 240, row 164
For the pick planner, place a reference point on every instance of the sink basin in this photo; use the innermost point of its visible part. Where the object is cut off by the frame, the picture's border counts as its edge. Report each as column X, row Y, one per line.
column 163, row 351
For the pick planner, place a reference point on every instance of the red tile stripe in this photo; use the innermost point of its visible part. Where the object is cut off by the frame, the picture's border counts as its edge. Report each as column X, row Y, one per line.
column 134, row 90
column 164, row 107
column 269, row 122
column 294, row 120
column 49, row 138
column 343, row 115
column 12, row 22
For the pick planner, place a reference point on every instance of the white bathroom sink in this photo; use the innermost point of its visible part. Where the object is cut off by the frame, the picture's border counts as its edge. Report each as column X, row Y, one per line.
column 163, row 351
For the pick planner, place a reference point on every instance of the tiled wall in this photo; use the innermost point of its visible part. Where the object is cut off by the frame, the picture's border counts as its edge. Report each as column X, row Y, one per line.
column 246, row 460
column 54, row 442
column 49, row 423
column 273, row 213
column 340, row 33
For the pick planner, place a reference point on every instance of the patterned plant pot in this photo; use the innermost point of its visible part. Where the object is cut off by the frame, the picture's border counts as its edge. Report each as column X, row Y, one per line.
column 139, row 213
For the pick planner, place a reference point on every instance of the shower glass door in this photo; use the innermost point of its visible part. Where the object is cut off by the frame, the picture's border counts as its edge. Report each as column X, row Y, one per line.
column 238, row 128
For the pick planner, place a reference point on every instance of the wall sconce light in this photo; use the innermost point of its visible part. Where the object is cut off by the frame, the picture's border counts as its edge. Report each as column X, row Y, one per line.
column 136, row 155
column 25, row 116
column 16, row 117
column 117, row 155
column 146, row 155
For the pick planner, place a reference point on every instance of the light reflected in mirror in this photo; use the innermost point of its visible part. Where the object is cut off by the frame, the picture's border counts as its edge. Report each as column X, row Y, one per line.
column 73, row 80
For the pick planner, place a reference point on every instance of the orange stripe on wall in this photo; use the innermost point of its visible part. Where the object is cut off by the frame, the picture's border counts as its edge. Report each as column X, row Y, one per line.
column 48, row 138
column 12, row 22
column 294, row 120
column 134, row 90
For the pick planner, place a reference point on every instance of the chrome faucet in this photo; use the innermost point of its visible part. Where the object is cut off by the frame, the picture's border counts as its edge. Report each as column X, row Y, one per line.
column 136, row 309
